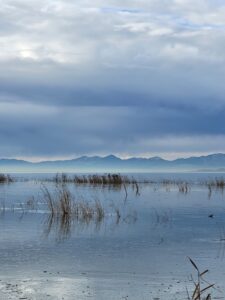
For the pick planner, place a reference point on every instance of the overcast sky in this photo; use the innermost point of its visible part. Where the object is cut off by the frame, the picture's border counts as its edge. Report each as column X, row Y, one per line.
column 128, row 77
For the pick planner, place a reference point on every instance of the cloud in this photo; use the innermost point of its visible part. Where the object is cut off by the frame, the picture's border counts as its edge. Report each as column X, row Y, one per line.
column 83, row 78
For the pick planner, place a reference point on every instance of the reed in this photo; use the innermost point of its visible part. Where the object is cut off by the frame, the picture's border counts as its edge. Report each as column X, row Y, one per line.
column 183, row 187
column 100, row 214
column 5, row 178
column 95, row 179
column 218, row 183
column 115, row 181
column 64, row 204
column 201, row 286
column 109, row 179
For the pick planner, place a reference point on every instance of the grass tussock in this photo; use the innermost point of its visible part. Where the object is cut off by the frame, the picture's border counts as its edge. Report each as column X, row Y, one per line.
column 64, row 205
column 5, row 178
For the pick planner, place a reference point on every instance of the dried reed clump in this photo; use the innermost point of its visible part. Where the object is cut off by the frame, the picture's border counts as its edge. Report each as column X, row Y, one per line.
column 5, row 178
column 183, row 187
column 62, row 178
column 201, row 285
column 65, row 211
column 218, row 183
column 112, row 180
column 63, row 204
column 95, row 179
column 109, row 179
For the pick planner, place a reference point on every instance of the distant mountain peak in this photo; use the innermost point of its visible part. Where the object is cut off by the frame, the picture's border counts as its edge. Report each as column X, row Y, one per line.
column 111, row 156
column 156, row 158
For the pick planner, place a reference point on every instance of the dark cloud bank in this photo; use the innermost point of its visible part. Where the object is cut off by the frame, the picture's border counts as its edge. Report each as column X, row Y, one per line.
column 135, row 79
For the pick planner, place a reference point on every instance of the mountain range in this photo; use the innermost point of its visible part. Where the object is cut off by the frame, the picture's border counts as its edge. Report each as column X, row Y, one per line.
column 111, row 163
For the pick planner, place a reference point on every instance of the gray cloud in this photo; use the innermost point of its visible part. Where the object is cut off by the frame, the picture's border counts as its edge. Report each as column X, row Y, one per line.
column 83, row 78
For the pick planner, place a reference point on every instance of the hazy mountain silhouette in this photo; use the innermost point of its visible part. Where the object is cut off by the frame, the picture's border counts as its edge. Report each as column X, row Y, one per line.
column 116, row 164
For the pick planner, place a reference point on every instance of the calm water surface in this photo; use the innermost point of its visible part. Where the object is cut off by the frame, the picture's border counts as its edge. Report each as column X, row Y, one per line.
column 141, row 255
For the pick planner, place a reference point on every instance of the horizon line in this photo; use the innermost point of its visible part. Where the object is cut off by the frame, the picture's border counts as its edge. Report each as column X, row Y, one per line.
column 105, row 156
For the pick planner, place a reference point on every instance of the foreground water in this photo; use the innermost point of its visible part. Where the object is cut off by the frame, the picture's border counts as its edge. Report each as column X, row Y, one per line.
column 140, row 254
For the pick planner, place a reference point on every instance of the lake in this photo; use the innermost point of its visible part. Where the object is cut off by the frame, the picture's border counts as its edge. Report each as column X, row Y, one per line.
column 139, row 249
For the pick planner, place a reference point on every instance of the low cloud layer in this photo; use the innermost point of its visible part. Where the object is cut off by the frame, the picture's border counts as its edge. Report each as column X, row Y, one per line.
column 130, row 78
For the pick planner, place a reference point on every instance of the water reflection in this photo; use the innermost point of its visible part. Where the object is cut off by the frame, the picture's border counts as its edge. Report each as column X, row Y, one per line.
column 64, row 226
column 162, row 218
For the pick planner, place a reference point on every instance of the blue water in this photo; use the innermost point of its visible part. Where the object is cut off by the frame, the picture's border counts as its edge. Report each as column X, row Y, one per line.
column 141, row 256
column 187, row 176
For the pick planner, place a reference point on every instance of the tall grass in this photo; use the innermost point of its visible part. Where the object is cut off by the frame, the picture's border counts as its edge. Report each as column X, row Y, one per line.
column 63, row 204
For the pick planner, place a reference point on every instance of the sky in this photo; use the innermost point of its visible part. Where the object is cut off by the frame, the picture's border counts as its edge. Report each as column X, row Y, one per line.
column 96, row 77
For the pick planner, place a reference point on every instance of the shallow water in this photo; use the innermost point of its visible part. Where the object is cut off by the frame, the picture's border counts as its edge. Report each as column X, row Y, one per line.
column 141, row 255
